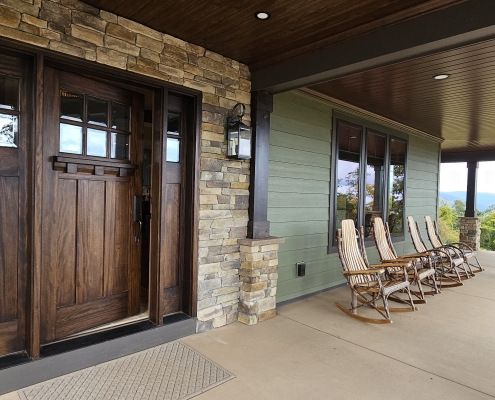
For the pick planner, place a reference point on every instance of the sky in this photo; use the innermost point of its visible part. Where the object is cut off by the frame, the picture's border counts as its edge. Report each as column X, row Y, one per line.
column 453, row 177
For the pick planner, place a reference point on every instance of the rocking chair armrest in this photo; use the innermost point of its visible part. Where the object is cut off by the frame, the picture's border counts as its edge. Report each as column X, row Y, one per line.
column 401, row 259
column 365, row 271
column 425, row 254
column 395, row 263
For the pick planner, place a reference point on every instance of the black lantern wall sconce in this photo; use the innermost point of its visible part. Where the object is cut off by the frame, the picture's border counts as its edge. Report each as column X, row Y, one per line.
column 238, row 134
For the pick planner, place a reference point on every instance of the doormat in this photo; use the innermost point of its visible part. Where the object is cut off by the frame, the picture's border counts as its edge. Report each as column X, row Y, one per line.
column 169, row 371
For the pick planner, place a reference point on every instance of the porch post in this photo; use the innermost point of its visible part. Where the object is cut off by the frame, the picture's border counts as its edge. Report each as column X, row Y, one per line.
column 470, row 226
column 261, row 107
column 472, row 167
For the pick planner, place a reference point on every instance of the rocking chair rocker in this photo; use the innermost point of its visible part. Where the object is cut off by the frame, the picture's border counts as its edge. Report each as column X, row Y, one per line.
column 364, row 280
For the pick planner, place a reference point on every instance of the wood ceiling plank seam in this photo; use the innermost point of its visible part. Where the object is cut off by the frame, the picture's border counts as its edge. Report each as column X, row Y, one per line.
column 385, row 21
column 404, row 97
column 384, row 75
column 478, row 81
column 368, row 114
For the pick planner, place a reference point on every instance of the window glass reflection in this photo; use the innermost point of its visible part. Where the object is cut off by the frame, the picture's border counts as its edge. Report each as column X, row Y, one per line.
column 173, row 126
column 120, row 146
column 375, row 174
column 349, row 138
column 173, row 150
column 96, row 143
column 8, row 130
column 97, row 112
column 71, row 106
column 9, row 93
column 396, row 189
column 71, row 139
column 120, row 117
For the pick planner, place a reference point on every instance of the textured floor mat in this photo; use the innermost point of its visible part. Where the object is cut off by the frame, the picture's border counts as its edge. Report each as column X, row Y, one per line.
column 170, row 371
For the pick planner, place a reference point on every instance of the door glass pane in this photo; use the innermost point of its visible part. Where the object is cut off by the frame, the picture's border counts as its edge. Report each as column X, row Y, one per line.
column 8, row 130
column 9, row 93
column 120, row 117
column 349, row 145
column 71, row 106
column 120, row 146
column 96, row 143
column 71, row 139
column 173, row 150
column 173, row 127
column 97, row 112
column 375, row 172
column 396, row 189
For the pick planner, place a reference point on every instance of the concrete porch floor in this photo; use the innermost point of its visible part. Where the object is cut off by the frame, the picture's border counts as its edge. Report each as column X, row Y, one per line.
column 311, row 350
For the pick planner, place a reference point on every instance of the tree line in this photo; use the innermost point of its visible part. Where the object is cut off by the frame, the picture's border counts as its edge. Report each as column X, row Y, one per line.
column 448, row 223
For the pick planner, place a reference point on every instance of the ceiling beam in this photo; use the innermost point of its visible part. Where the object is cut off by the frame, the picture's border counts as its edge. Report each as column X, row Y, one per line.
column 458, row 25
column 467, row 156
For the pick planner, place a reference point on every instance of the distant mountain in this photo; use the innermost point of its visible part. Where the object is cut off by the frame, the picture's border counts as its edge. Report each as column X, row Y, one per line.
column 483, row 199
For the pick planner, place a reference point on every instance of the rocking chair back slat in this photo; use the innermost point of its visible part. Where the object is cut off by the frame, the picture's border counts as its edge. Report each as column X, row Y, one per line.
column 432, row 235
column 386, row 251
column 350, row 253
column 415, row 235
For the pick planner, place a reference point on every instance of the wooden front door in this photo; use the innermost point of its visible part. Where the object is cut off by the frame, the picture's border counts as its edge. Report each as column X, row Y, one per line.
column 91, row 176
column 15, row 117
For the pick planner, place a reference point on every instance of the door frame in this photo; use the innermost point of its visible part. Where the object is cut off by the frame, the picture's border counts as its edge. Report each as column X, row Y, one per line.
column 44, row 57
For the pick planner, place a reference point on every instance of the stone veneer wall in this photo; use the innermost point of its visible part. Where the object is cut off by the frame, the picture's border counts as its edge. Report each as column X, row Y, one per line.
column 470, row 231
column 75, row 28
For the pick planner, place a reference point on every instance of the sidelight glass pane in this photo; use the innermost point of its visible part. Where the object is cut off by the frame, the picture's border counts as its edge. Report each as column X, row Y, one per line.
column 96, row 143
column 396, row 182
column 71, row 138
column 375, row 185
column 8, row 130
column 120, row 117
column 173, row 127
column 173, row 150
column 9, row 93
column 71, row 106
column 97, row 112
column 349, row 144
column 120, row 146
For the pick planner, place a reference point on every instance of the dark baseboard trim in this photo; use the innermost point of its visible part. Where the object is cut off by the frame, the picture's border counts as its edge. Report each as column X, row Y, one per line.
column 305, row 296
column 37, row 371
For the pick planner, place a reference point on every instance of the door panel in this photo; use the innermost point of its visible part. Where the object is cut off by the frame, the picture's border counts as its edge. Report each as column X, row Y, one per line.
column 91, row 259
column 15, row 117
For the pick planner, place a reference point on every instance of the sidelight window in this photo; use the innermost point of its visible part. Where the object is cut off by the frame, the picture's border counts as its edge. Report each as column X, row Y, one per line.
column 368, row 178
column 93, row 127
column 9, row 111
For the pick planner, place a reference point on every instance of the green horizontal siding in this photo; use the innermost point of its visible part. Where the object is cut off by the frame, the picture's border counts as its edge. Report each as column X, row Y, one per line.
column 298, row 197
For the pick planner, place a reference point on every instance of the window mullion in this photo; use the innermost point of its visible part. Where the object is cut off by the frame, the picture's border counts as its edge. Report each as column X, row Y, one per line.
column 362, row 177
column 386, row 177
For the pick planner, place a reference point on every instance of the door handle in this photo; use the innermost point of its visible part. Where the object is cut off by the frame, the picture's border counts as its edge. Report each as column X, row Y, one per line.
column 138, row 217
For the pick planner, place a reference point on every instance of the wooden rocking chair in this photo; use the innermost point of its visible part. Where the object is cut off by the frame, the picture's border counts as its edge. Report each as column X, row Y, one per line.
column 445, row 266
column 421, row 269
column 364, row 280
column 458, row 248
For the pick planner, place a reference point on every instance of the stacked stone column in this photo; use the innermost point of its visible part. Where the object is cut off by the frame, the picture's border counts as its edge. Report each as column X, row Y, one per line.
column 258, row 276
column 470, row 231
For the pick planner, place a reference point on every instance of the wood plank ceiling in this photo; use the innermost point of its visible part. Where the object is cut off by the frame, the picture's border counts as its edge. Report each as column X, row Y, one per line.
column 294, row 28
column 459, row 109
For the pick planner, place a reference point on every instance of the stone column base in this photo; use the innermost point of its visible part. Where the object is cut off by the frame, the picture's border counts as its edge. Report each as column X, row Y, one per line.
column 470, row 231
column 258, row 276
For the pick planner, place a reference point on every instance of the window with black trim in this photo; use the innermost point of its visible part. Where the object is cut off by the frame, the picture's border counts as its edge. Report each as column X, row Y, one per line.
column 368, row 179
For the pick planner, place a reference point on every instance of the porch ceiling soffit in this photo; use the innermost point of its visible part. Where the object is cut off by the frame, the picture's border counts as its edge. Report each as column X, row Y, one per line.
column 458, row 25
column 379, row 119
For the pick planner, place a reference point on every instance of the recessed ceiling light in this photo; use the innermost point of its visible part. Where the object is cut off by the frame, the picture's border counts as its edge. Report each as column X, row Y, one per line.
column 262, row 15
column 439, row 77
